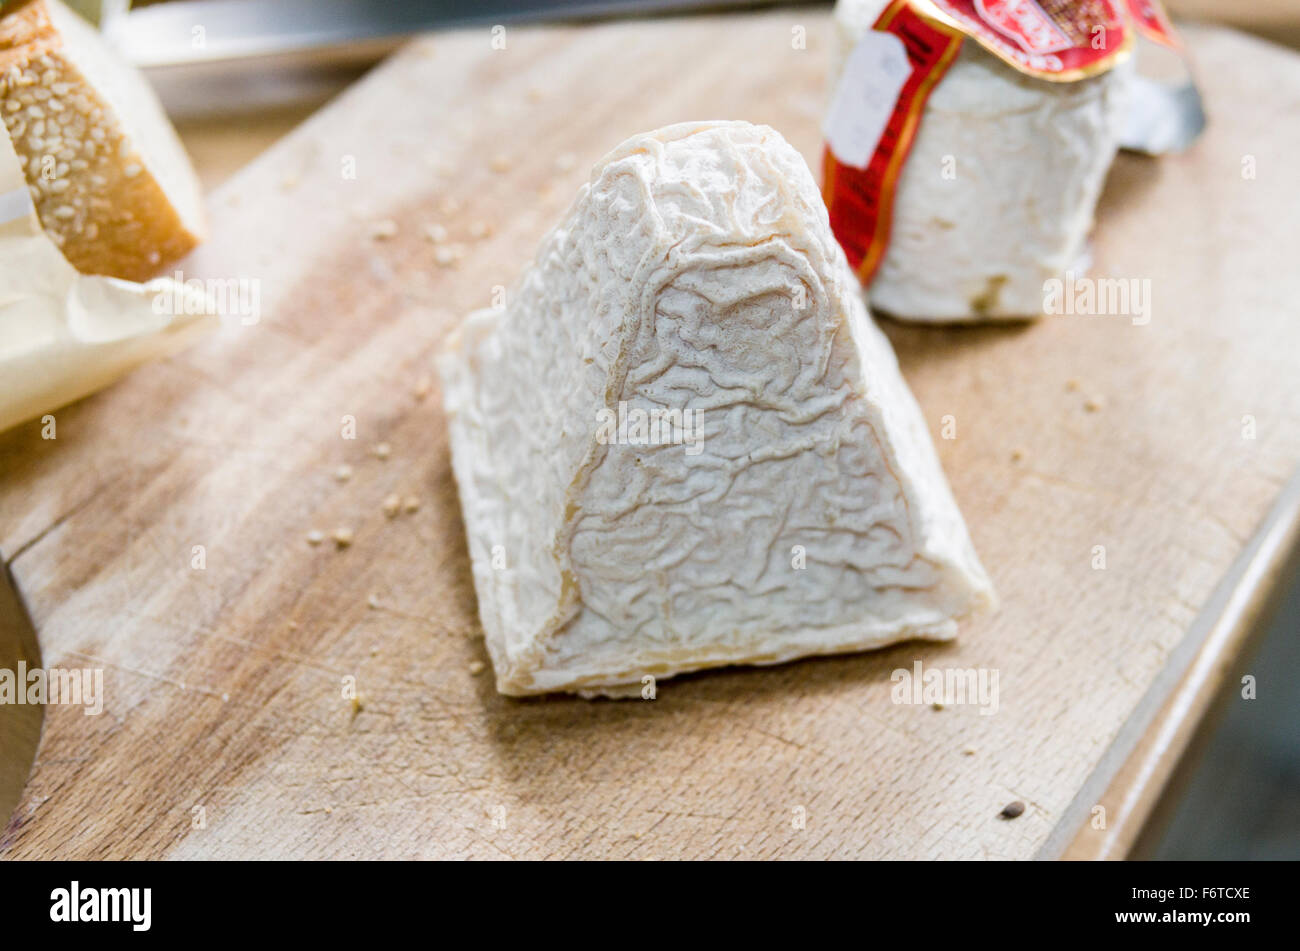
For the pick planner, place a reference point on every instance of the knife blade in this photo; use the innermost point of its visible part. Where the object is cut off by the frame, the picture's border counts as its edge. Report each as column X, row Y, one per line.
column 20, row 723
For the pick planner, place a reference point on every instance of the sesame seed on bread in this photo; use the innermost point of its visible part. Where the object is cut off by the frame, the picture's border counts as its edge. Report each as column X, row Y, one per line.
column 111, row 182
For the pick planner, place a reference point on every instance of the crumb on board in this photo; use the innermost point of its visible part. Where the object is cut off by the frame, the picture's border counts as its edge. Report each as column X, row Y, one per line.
column 936, row 705
column 373, row 601
column 1017, row 455
column 392, row 505
column 1093, row 404
column 343, row 473
column 448, row 255
column 1012, row 810
column 358, row 704
column 480, row 229
column 315, row 537
column 1072, row 384
column 968, row 751
column 436, row 233
column 448, row 206
column 383, row 229
column 382, row 450
column 412, row 504
column 477, row 667
column 422, row 387
column 342, row 537
column 500, row 163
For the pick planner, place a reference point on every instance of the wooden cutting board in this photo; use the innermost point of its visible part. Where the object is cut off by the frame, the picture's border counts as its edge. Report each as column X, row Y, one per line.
column 226, row 731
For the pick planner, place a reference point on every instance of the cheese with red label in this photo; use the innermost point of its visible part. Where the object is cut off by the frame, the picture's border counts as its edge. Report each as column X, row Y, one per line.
column 997, row 194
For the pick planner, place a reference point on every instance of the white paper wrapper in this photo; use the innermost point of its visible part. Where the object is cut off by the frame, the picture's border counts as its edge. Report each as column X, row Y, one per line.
column 64, row 335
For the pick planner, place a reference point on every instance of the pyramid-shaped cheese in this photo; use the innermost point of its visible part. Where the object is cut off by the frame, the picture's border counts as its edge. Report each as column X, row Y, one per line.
column 799, row 507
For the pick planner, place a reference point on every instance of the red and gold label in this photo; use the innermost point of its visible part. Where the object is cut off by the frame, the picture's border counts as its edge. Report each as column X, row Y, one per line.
column 860, row 199
column 1056, row 40
column 1150, row 19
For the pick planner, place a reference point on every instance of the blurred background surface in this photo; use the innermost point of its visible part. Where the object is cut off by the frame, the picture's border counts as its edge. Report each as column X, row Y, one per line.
column 236, row 75
column 1237, row 793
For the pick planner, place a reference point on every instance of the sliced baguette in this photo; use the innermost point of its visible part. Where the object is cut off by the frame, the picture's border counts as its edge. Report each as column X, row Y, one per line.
column 112, row 185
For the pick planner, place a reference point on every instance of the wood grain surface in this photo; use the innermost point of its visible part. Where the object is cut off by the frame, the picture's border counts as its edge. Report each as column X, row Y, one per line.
column 226, row 731
column 1277, row 20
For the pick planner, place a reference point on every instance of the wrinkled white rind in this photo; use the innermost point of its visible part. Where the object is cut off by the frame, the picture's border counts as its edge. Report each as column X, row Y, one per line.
column 1030, row 158
column 675, row 281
